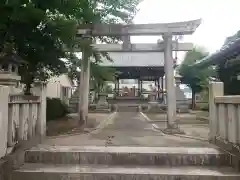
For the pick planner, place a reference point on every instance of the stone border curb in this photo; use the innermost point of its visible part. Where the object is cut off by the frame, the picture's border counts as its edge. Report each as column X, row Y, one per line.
column 149, row 120
column 177, row 135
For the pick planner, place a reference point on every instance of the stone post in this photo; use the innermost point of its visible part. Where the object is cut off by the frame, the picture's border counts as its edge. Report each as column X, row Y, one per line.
column 102, row 105
column 4, row 95
column 126, row 40
column 158, row 88
column 84, row 87
column 81, row 86
column 118, row 82
column 41, row 122
column 169, row 77
column 162, row 84
column 139, row 87
column 215, row 89
column 115, row 89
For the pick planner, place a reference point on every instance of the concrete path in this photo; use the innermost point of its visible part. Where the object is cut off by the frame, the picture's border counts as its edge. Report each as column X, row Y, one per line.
column 126, row 129
column 192, row 125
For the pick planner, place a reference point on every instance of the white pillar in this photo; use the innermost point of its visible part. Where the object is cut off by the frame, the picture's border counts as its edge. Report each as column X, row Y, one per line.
column 215, row 89
column 81, row 87
column 41, row 122
column 4, row 95
column 84, row 87
column 169, row 78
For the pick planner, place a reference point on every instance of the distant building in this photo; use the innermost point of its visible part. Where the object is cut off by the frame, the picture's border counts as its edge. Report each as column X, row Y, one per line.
column 60, row 87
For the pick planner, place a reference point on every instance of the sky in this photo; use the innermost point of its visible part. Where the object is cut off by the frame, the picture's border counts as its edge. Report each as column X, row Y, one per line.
column 220, row 19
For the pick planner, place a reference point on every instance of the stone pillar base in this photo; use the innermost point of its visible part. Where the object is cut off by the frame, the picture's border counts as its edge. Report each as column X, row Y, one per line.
column 173, row 130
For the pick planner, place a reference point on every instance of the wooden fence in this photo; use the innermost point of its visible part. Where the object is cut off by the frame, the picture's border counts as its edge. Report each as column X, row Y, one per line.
column 21, row 117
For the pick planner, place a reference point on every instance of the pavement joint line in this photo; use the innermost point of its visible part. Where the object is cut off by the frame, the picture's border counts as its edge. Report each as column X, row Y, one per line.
column 153, row 125
column 104, row 123
column 176, row 135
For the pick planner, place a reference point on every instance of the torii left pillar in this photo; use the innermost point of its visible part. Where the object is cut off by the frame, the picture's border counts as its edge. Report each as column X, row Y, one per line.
column 84, row 84
column 172, row 127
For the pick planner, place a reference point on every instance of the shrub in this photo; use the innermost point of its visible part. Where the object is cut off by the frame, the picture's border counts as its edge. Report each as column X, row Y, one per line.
column 55, row 109
column 205, row 108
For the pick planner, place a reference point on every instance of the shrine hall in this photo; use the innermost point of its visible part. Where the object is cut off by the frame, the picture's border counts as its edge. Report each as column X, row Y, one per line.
column 141, row 66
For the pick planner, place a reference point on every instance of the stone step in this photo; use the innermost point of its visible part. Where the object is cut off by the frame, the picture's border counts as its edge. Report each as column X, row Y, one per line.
column 93, row 172
column 158, row 156
column 127, row 108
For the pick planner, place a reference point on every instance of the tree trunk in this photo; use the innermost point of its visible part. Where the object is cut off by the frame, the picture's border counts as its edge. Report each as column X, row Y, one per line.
column 193, row 100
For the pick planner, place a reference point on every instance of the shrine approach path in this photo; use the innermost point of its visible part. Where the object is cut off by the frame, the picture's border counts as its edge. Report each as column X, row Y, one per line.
column 126, row 129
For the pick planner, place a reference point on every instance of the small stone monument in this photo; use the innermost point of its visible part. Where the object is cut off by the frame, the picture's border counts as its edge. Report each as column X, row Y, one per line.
column 153, row 95
column 154, row 106
column 9, row 64
column 102, row 104
column 182, row 104
column 102, row 99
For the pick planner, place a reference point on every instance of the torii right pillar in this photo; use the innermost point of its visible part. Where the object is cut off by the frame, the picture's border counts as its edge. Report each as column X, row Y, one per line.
column 172, row 127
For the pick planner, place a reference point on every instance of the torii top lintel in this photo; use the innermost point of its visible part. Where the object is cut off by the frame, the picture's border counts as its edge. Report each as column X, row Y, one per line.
column 176, row 28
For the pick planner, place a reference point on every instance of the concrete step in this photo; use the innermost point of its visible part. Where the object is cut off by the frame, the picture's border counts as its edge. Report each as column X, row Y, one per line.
column 158, row 156
column 76, row 172
column 127, row 108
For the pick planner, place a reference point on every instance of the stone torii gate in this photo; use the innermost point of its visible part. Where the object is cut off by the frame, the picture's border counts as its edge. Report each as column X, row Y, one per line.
column 167, row 30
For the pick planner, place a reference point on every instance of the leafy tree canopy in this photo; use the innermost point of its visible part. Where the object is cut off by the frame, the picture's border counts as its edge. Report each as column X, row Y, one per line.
column 194, row 77
column 228, row 70
column 39, row 30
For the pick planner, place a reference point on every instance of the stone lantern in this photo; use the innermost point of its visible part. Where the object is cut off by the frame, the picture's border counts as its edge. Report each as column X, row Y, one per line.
column 182, row 105
column 9, row 64
column 178, row 80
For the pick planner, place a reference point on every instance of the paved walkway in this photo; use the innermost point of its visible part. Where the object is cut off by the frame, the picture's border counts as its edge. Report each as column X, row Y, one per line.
column 126, row 129
column 191, row 124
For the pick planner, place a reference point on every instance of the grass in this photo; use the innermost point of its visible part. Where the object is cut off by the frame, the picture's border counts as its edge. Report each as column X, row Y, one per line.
column 61, row 126
column 70, row 125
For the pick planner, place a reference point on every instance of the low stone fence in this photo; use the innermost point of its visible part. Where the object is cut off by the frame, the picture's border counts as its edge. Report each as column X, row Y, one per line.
column 22, row 118
column 224, row 117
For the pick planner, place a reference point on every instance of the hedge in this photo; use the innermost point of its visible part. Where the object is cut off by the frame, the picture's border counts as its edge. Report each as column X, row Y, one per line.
column 55, row 109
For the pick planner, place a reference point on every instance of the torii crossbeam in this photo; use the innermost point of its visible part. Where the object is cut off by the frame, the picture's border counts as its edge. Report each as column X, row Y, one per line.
column 175, row 28
column 141, row 47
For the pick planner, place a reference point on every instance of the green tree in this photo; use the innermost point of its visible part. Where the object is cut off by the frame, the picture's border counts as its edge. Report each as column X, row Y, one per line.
column 193, row 77
column 229, row 69
column 100, row 75
column 36, row 31
column 39, row 31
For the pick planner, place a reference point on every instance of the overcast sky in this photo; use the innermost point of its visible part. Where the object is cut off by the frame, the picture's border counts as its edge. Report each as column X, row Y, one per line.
column 220, row 18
